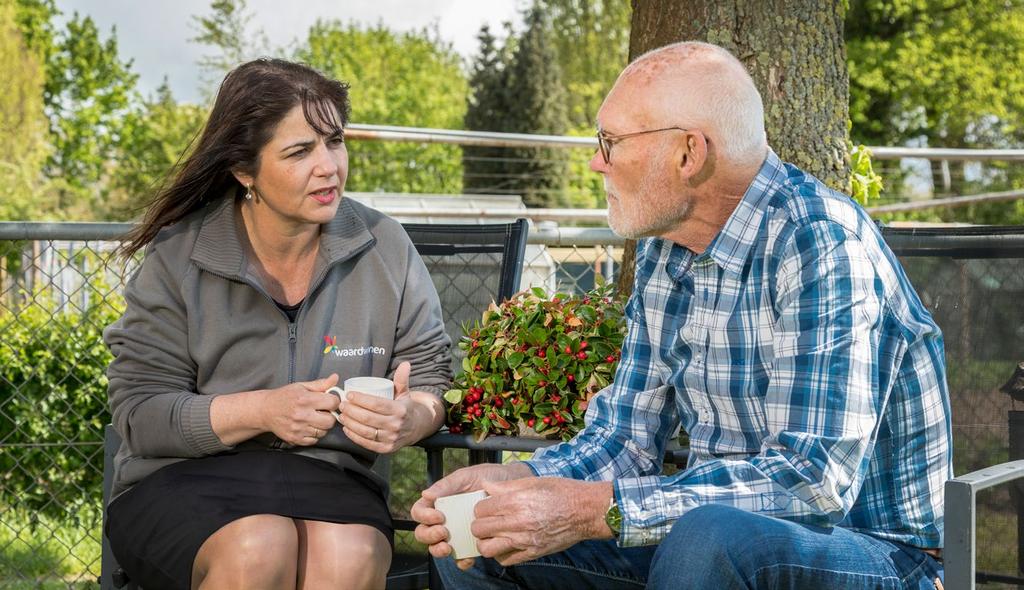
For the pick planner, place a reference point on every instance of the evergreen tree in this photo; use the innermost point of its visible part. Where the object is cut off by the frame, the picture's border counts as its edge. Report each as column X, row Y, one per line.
column 488, row 110
column 526, row 95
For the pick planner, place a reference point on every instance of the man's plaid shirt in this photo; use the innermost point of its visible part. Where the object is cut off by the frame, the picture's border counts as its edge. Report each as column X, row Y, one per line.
column 800, row 361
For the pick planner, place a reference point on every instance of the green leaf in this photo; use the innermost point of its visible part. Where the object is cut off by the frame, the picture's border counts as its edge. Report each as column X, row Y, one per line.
column 453, row 396
column 515, row 359
column 587, row 313
column 539, row 292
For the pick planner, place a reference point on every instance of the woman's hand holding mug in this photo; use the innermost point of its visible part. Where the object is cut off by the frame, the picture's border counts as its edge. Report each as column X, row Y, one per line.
column 300, row 413
column 378, row 414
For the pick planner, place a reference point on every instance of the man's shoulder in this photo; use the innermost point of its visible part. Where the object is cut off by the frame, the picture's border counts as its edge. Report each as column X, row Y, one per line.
column 802, row 201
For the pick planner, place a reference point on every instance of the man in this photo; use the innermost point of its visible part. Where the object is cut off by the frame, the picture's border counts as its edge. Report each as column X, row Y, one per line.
column 770, row 319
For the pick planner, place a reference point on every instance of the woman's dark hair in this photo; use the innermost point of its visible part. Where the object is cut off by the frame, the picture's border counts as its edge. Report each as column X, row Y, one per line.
column 252, row 100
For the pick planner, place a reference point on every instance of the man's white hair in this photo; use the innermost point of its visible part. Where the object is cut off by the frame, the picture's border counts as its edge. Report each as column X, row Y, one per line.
column 725, row 96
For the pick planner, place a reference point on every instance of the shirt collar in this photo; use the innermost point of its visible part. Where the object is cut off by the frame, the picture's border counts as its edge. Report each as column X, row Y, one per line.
column 731, row 247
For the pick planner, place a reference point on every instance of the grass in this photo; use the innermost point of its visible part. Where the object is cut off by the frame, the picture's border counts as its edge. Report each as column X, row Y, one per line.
column 44, row 553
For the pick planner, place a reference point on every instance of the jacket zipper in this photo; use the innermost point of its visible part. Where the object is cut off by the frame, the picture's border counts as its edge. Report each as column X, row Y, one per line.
column 292, row 339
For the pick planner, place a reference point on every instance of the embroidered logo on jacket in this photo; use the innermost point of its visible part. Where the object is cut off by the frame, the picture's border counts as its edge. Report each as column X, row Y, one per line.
column 331, row 347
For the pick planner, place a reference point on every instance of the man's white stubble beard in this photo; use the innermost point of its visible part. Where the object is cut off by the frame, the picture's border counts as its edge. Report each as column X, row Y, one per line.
column 644, row 219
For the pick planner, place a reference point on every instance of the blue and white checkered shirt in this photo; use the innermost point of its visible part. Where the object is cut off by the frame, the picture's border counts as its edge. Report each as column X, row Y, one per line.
column 800, row 361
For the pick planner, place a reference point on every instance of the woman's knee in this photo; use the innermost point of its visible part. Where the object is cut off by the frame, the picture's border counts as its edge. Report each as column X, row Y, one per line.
column 357, row 555
column 260, row 549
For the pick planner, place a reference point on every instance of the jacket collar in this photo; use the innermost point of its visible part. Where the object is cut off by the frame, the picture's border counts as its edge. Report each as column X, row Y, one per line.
column 218, row 247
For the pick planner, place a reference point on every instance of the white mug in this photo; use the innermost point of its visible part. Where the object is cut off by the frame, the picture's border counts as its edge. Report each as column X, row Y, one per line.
column 458, row 515
column 377, row 386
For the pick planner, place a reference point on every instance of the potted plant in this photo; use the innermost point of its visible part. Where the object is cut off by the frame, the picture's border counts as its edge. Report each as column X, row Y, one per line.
column 534, row 362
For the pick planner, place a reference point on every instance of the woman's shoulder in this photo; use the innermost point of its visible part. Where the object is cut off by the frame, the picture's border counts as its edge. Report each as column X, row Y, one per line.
column 174, row 242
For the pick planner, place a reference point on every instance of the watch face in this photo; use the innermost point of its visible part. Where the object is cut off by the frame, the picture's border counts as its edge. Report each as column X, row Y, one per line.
column 613, row 518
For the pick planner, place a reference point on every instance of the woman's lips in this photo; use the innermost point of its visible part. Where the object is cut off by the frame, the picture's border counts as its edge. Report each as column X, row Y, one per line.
column 325, row 198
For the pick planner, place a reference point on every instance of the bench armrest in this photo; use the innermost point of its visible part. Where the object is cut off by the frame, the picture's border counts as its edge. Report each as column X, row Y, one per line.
column 960, row 505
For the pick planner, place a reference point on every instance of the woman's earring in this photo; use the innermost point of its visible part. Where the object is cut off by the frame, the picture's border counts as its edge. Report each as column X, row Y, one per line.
column 248, row 193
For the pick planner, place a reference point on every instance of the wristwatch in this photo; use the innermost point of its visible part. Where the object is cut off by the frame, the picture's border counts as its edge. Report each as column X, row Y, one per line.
column 613, row 517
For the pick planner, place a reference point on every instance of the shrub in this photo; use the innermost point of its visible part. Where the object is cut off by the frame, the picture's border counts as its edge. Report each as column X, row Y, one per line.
column 533, row 363
column 53, row 394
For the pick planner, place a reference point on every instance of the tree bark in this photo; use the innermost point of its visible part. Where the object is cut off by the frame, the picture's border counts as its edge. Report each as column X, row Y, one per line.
column 795, row 52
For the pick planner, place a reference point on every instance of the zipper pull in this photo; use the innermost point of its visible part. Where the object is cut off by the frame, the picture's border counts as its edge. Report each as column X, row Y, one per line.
column 291, row 333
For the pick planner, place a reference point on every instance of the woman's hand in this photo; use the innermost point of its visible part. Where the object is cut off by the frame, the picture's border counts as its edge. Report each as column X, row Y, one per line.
column 299, row 413
column 384, row 426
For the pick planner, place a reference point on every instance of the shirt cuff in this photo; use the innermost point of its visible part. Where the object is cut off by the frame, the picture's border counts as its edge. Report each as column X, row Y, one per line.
column 645, row 517
column 543, row 468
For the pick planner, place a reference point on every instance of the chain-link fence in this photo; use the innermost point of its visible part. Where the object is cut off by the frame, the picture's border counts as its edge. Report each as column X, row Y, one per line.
column 58, row 293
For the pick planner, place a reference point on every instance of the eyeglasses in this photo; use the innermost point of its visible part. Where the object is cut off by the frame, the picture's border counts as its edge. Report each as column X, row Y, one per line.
column 605, row 141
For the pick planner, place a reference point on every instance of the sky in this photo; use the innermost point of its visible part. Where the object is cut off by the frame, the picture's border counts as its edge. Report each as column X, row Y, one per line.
column 155, row 33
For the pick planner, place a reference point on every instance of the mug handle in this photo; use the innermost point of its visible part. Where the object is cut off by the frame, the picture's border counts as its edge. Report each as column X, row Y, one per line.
column 341, row 397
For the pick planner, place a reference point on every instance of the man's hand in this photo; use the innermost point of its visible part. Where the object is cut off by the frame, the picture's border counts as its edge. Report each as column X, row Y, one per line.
column 526, row 519
column 431, row 530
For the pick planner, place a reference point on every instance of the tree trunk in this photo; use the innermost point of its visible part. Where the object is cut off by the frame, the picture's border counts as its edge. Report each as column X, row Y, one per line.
column 795, row 52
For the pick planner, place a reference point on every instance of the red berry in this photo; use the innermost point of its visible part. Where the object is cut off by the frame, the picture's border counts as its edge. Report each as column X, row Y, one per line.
column 583, row 345
column 568, row 350
column 556, row 398
column 541, row 354
column 542, row 383
column 515, row 400
column 581, row 355
column 455, row 429
column 560, row 419
column 586, row 300
column 570, row 378
column 478, row 412
column 498, row 402
column 493, row 416
column 609, row 359
column 547, row 419
column 477, row 367
column 531, row 422
column 476, row 343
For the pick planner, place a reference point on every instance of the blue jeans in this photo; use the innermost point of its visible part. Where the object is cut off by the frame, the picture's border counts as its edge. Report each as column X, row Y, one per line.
column 717, row 548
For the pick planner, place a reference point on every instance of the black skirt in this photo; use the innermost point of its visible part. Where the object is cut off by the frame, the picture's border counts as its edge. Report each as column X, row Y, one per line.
column 157, row 527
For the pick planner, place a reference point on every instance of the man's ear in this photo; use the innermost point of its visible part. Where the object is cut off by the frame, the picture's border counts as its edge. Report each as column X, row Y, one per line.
column 695, row 154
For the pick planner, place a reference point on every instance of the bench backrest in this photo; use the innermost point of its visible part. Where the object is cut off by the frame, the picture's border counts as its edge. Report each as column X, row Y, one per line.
column 971, row 279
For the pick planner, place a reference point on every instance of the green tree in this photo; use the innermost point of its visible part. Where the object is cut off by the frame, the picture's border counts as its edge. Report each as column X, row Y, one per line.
column 88, row 93
column 917, row 76
column 228, row 29
column 591, row 39
column 23, row 148
column 157, row 133
column 528, row 89
column 407, row 79
column 487, row 110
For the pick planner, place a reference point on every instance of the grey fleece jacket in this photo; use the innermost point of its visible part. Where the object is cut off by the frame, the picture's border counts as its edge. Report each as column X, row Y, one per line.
column 199, row 324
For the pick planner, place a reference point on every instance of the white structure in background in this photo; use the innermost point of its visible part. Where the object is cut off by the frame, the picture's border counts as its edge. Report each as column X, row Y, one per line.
column 539, row 268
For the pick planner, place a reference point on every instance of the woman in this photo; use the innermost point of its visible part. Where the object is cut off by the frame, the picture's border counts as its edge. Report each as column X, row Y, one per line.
column 260, row 286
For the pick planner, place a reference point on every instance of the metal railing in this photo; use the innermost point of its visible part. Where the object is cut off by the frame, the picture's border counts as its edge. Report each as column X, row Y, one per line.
column 915, row 178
